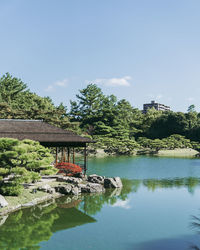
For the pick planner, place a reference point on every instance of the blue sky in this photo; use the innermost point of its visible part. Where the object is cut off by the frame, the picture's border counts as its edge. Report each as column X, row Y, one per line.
column 139, row 50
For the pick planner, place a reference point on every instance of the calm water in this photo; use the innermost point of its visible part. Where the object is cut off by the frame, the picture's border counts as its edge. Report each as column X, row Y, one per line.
column 157, row 209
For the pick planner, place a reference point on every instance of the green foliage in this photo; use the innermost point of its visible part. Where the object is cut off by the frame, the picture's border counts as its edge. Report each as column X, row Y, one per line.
column 10, row 87
column 191, row 108
column 111, row 123
column 17, row 102
column 26, row 228
column 171, row 142
column 114, row 124
column 22, row 162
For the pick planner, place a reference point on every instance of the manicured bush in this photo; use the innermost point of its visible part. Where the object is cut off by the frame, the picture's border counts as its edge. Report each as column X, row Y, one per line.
column 22, row 162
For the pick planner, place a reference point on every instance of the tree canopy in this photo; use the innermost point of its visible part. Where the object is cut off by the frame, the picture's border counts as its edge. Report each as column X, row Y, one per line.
column 114, row 124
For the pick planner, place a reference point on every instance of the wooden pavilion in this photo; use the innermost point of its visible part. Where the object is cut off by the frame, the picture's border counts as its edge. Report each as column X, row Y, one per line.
column 48, row 136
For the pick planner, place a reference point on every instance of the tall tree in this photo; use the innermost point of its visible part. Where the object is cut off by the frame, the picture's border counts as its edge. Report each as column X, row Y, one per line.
column 191, row 108
column 10, row 87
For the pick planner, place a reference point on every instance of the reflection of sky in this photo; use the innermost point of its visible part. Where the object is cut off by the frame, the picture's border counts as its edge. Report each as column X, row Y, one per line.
column 122, row 204
column 152, row 220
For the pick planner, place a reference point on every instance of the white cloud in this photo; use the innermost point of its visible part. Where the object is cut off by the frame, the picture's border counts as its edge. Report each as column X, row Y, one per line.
column 63, row 83
column 49, row 88
column 122, row 204
column 113, row 82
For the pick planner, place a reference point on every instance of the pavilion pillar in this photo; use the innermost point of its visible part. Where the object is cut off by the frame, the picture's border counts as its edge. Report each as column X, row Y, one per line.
column 73, row 156
column 56, row 155
column 85, row 160
column 64, row 154
column 68, row 154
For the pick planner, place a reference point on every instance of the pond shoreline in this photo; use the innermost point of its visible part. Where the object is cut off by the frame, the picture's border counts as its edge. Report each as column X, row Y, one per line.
column 50, row 188
column 178, row 152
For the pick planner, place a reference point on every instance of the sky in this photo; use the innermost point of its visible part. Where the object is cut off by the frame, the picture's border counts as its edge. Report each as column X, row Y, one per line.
column 140, row 50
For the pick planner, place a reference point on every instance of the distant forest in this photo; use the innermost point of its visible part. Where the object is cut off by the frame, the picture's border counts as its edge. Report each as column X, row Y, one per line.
column 114, row 124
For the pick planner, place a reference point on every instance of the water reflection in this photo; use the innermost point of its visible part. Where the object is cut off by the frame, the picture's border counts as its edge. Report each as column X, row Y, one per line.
column 152, row 184
column 195, row 225
column 26, row 228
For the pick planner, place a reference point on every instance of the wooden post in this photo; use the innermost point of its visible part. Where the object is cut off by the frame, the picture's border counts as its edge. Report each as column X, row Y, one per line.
column 85, row 160
column 68, row 154
column 73, row 156
column 64, row 154
column 56, row 155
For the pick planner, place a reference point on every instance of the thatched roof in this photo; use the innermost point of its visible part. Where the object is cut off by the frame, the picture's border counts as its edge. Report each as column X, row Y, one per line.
column 46, row 134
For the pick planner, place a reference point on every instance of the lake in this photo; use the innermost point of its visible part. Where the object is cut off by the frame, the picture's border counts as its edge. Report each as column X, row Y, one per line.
column 157, row 209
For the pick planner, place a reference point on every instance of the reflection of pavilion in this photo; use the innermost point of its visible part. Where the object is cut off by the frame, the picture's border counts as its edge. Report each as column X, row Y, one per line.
column 70, row 217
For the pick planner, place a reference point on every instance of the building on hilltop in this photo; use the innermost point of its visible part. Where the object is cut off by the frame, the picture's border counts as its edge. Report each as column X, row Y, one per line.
column 155, row 105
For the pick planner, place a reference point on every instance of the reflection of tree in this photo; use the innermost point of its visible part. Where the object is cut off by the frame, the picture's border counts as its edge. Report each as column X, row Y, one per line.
column 93, row 203
column 26, row 228
column 190, row 183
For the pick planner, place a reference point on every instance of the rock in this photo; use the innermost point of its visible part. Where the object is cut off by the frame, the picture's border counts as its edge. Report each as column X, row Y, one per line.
column 68, row 179
column 75, row 190
column 64, row 189
column 96, row 179
column 3, row 202
column 81, row 187
column 95, row 188
column 119, row 182
column 91, row 188
column 112, row 182
column 46, row 188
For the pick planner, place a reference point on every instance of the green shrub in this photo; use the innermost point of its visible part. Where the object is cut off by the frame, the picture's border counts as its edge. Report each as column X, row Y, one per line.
column 22, row 162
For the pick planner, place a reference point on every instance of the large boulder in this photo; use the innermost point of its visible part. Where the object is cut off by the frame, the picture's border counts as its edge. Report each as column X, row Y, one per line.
column 118, row 181
column 113, row 182
column 47, row 188
column 64, row 189
column 91, row 188
column 96, row 179
column 75, row 190
column 3, row 202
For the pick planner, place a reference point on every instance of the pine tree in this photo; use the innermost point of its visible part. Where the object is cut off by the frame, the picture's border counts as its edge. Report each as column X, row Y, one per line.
column 22, row 162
